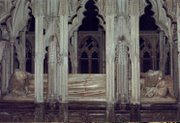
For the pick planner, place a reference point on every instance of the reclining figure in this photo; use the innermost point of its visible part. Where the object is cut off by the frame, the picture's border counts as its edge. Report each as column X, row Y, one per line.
column 19, row 83
column 152, row 84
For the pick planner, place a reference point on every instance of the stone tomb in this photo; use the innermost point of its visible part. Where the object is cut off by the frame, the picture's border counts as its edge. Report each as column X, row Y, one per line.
column 80, row 87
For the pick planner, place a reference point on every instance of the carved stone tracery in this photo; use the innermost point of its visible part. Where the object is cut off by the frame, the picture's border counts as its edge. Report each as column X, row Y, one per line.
column 57, row 16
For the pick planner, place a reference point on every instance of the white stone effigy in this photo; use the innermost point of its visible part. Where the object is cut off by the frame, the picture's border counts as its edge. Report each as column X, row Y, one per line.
column 87, row 86
column 80, row 86
column 155, row 89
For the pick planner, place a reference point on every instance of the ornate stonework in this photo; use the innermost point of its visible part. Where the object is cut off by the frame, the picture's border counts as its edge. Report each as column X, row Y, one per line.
column 45, row 57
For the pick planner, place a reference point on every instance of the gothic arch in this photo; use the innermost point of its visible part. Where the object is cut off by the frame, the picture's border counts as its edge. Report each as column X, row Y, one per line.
column 76, row 20
column 160, row 16
column 4, row 18
column 5, row 11
column 19, row 17
column 143, row 5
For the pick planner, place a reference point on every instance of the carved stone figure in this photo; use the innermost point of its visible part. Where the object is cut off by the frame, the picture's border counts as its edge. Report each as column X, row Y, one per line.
column 153, row 86
column 19, row 83
column 22, row 86
column 151, row 77
column 163, row 88
column 122, row 69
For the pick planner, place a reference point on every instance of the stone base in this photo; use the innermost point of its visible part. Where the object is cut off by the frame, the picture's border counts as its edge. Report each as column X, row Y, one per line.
column 158, row 100
column 85, row 112
column 11, row 97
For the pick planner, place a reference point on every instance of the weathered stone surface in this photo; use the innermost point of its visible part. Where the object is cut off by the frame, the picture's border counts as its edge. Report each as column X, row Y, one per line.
column 87, row 85
column 62, row 19
column 155, row 89
column 84, row 112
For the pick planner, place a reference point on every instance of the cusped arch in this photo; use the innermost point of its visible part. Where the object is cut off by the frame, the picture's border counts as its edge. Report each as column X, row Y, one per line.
column 20, row 16
column 76, row 19
column 160, row 16
column 143, row 5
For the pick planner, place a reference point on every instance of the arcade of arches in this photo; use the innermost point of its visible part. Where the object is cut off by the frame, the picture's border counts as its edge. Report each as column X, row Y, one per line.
column 112, row 60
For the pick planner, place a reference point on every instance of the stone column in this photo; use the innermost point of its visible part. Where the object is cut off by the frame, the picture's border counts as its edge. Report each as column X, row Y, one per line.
column 12, row 40
column 110, row 57
column 122, row 71
column 178, row 60
column 75, row 46
column 110, row 51
column 162, row 51
column 73, row 49
column 5, row 69
column 52, row 61
column 63, row 43
column 3, row 82
column 23, row 50
column 122, row 37
column 62, row 84
column 39, row 50
column 58, row 75
column 175, row 57
column 134, row 49
column 39, row 59
column 7, row 66
column 171, row 57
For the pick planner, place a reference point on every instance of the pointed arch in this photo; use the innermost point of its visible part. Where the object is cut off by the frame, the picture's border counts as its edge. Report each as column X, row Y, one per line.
column 160, row 15
column 76, row 20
